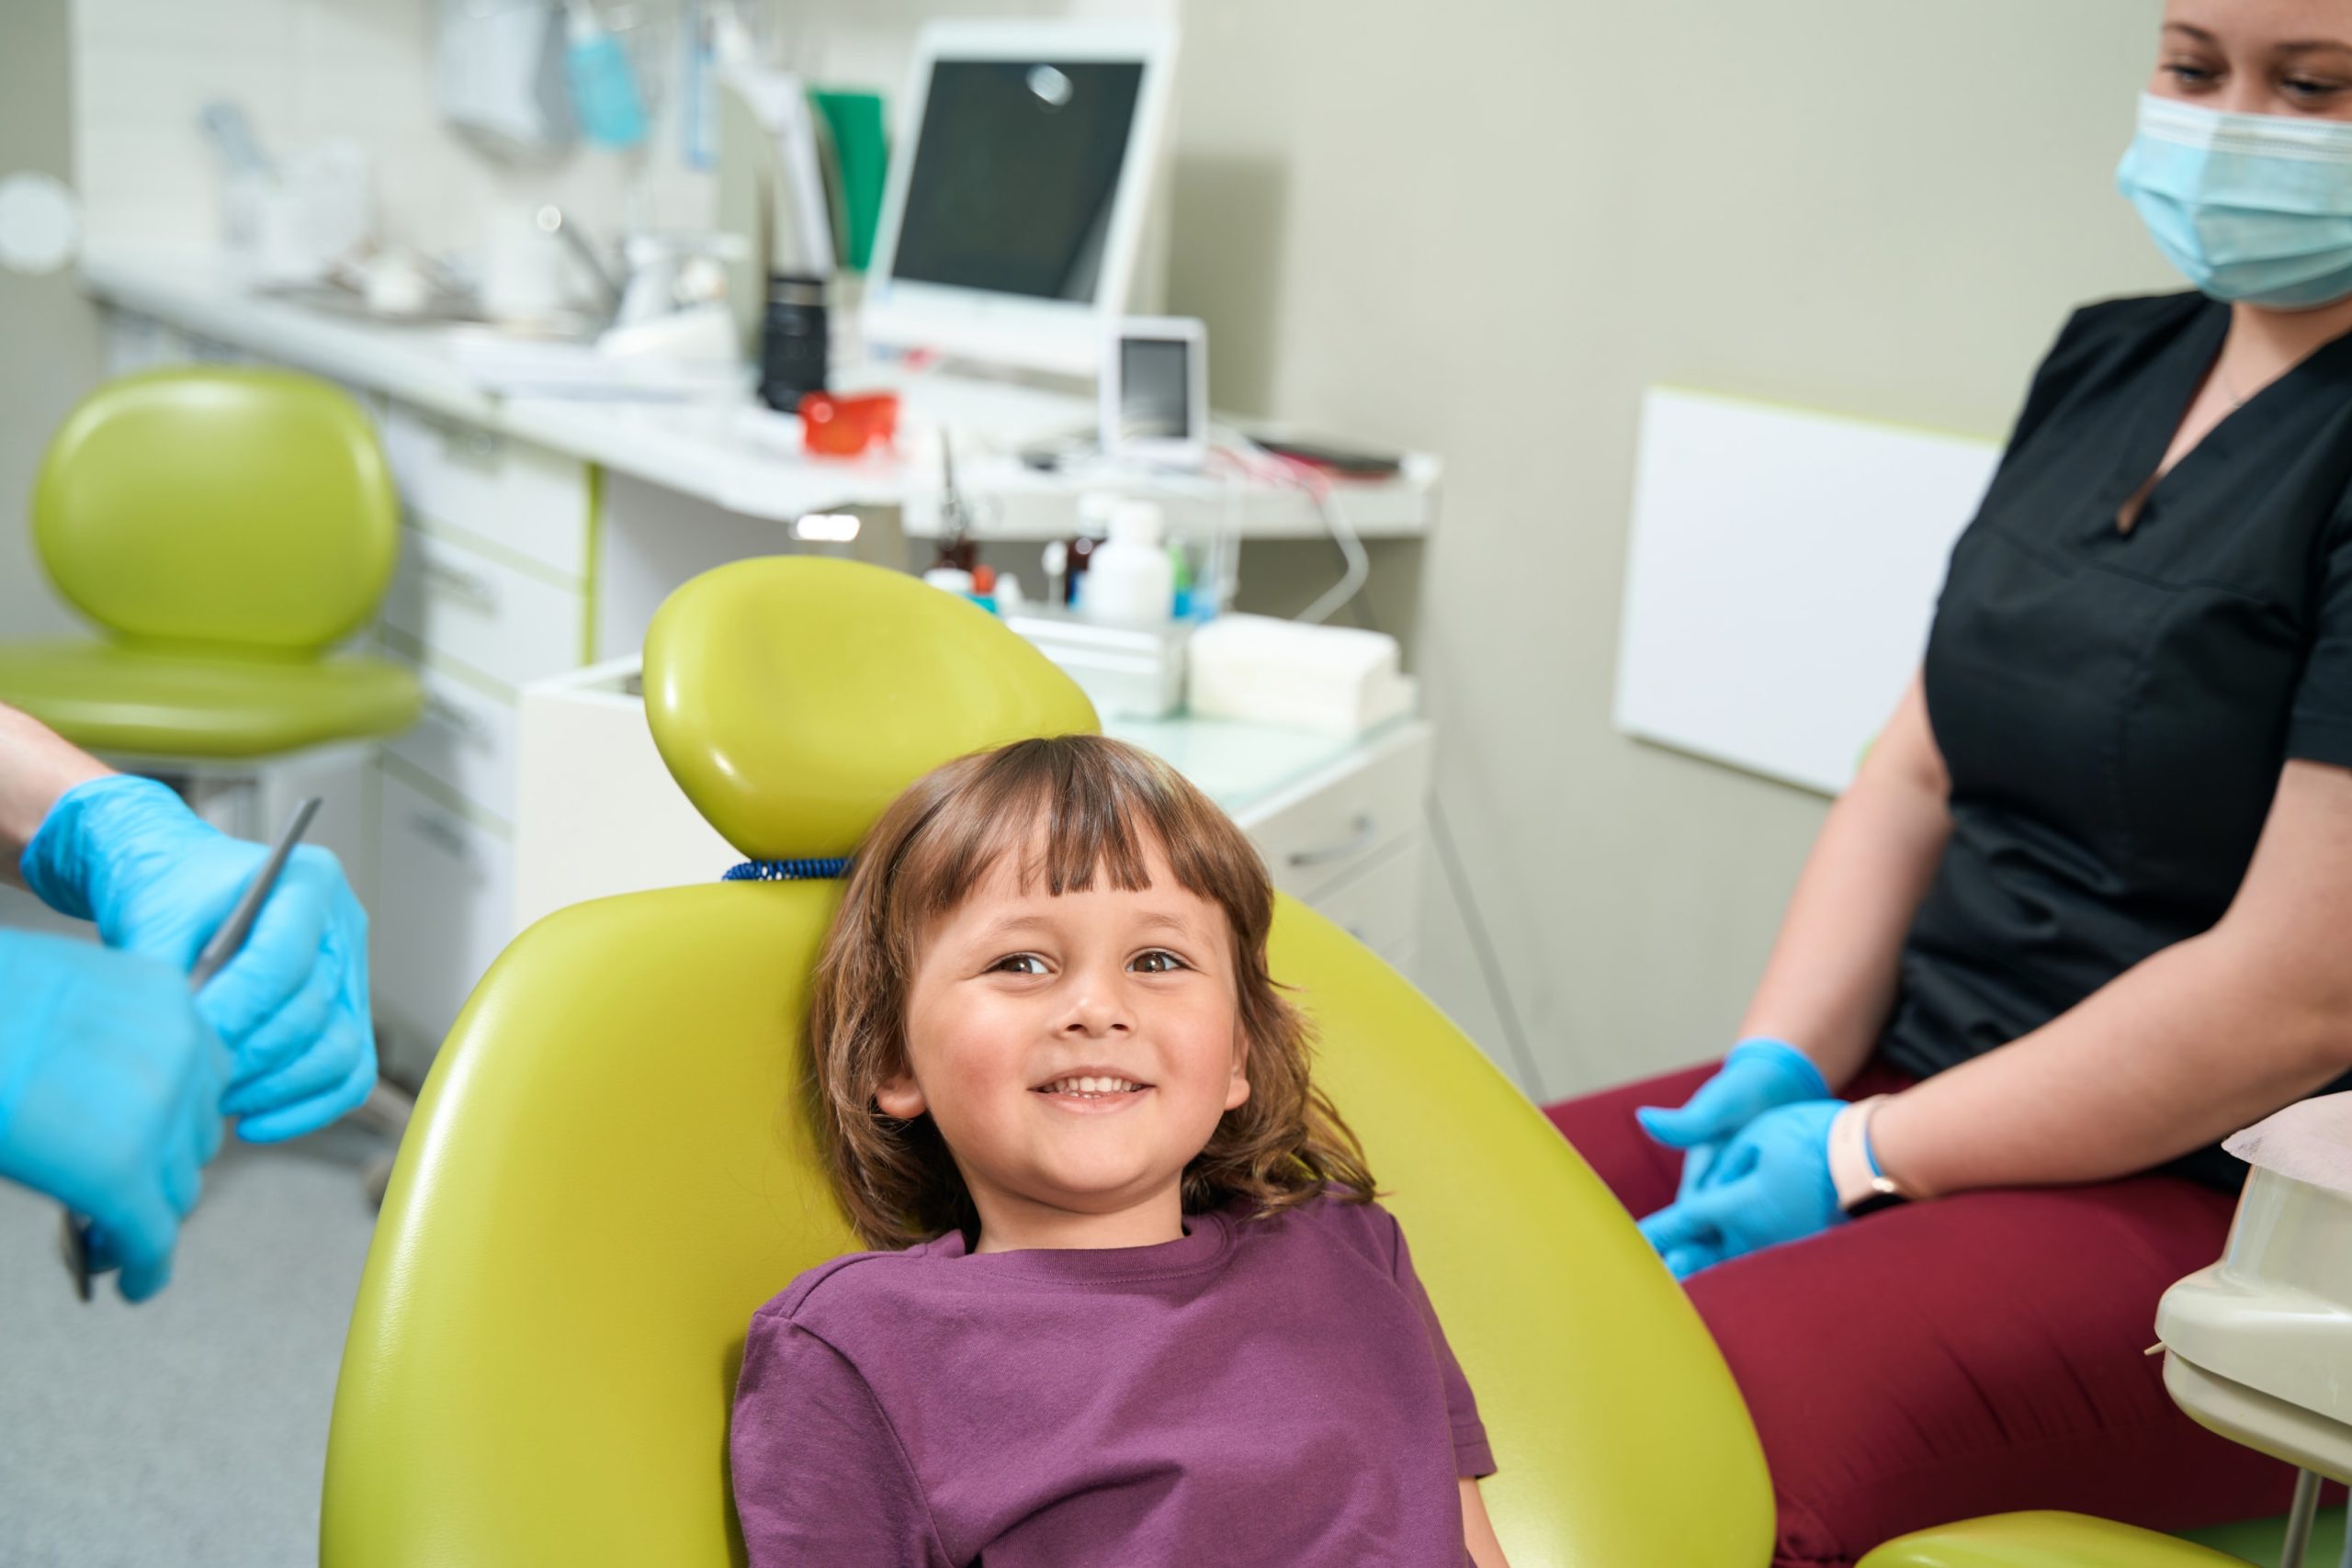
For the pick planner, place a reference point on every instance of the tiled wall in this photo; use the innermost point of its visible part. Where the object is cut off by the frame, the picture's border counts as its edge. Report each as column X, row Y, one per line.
column 307, row 70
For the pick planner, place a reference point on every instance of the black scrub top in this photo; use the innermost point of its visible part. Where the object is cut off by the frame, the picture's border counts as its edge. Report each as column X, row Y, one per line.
column 2114, row 707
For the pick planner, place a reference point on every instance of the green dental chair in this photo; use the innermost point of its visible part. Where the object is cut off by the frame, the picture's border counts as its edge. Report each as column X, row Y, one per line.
column 224, row 528
column 606, row 1177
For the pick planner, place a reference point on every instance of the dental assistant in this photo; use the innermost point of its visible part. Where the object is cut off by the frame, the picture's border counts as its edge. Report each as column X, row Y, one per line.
column 2087, row 908
column 114, row 1080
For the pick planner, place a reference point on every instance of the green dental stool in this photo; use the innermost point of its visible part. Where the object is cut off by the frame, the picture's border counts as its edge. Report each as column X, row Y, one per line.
column 606, row 1176
column 224, row 529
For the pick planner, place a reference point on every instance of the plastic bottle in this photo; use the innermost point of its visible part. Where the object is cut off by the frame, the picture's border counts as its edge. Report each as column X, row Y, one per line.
column 603, row 89
column 1095, row 509
column 1129, row 582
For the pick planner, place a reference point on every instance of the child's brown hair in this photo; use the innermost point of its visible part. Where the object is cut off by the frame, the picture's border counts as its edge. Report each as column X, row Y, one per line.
column 1103, row 806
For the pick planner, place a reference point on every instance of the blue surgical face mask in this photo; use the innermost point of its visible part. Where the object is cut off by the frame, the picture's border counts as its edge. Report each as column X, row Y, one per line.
column 2252, row 207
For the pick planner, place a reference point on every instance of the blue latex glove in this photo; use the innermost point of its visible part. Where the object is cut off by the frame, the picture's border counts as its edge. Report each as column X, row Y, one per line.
column 1772, row 1184
column 1757, row 1075
column 292, row 1005
column 109, row 1090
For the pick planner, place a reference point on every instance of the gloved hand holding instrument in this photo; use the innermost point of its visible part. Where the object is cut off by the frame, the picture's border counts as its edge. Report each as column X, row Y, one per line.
column 109, row 1093
column 129, row 854
column 291, row 1003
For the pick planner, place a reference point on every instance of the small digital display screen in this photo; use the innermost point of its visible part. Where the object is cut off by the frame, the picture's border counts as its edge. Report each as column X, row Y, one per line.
column 1016, row 173
column 1155, row 389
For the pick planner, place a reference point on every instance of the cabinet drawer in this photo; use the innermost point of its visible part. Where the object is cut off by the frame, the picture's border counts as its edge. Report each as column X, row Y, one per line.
column 524, row 497
column 442, row 907
column 1335, row 830
column 512, row 626
column 1380, row 906
column 466, row 739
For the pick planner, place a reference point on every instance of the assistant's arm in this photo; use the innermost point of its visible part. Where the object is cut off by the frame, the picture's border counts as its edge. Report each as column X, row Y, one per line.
column 2192, row 1043
column 1831, row 978
column 36, row 767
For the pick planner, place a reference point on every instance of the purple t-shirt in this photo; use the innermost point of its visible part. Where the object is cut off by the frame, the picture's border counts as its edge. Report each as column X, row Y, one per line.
column 1264, row 1391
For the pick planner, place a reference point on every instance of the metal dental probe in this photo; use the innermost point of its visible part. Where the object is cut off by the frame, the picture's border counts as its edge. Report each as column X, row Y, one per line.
column 75, row 1241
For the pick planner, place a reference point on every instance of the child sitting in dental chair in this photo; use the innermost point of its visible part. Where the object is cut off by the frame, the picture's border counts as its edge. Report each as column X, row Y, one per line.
column 1132, row 1301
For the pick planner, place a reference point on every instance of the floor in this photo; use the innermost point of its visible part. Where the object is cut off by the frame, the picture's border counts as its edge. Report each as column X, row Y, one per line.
column 191, row 1430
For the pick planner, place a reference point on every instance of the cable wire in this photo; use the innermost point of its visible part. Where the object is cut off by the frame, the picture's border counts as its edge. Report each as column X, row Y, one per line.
column 1474, row 925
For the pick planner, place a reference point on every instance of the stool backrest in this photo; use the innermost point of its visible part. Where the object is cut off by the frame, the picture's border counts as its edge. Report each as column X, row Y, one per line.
column 218, row 506
column 608, row 1174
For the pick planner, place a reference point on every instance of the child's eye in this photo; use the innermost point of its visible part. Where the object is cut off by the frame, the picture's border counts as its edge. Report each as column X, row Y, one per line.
column 1018, row 963
column 1159, row 961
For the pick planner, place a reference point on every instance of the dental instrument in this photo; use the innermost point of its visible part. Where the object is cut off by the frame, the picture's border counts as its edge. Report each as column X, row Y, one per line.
column 76, row 1239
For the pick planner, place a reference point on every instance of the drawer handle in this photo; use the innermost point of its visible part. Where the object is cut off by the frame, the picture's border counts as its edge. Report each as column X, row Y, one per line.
column 1359, row 840
column 472, row 588
column 464, row 720
column 443, row 833
column 468, row 443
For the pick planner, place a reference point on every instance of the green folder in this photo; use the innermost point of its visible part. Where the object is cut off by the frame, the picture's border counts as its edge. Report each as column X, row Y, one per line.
column 862, row 149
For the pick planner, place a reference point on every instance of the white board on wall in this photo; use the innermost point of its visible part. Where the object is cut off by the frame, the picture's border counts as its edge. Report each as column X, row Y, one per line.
column 1782, row 571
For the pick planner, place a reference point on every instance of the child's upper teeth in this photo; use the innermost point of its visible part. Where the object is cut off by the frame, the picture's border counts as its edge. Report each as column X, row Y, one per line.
column 1092, row 1086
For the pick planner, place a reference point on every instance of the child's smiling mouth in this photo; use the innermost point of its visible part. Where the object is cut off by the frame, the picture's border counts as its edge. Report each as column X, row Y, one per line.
column 1093, row 1090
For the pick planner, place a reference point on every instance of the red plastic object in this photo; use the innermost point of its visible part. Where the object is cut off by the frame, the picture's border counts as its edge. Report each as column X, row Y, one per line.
column 843, row 426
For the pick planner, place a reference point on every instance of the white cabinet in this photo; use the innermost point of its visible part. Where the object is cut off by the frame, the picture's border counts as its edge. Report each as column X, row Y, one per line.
column 465, row 740
column 493, row 592
column 443, row 901
column 514, row 495
column 490, row 616
column 1325, row 831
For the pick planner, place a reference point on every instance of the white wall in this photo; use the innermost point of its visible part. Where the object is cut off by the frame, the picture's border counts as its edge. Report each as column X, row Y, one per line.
column 1481, row 228
column 49, row 352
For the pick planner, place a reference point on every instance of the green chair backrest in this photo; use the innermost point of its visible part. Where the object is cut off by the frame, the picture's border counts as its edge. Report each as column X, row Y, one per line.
column 606, row 1174
column 211, row 506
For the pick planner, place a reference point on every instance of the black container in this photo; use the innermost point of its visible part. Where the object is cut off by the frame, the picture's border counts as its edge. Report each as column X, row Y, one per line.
column 792, row 341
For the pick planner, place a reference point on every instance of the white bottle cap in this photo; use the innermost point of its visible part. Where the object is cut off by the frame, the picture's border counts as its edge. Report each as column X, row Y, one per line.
column 1095, row 508
column 1136, row 522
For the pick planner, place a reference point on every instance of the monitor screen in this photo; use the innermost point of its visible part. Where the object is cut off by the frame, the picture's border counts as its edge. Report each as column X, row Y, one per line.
column 1154, row 394
column 1016, row 174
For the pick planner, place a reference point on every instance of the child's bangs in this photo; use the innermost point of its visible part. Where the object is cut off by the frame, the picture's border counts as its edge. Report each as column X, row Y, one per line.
column 1064, row 815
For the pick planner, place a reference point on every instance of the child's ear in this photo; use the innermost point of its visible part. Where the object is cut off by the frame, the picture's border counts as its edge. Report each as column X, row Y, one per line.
column 1237, row 1089
column 901, row 1097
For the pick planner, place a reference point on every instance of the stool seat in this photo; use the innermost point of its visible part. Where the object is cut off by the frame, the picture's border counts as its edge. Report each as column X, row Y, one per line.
column 179, row 702
column 2043, row 1539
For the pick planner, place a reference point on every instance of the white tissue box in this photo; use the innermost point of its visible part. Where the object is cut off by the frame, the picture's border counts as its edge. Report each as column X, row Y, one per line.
column 1331, row 679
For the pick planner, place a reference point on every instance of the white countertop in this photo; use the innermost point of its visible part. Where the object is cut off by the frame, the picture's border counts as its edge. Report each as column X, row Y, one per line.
column 739, row 456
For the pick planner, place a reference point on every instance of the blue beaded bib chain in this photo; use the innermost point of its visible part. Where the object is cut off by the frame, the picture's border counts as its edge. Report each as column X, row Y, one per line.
column 816, row 869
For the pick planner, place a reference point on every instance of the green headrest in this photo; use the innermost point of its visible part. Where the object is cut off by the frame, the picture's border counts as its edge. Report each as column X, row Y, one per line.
column 794, row 696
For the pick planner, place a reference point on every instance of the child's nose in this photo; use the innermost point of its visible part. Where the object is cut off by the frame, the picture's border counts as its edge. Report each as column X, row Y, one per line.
column 1098, row 1007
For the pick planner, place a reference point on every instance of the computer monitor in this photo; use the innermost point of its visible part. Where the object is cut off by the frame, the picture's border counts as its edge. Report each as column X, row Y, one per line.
column 1012, row 210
